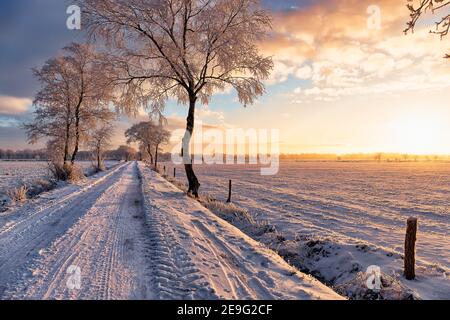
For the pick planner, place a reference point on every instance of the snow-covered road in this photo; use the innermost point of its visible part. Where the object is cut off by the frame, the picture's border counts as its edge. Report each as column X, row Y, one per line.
column 98, row 230
column 107, row 239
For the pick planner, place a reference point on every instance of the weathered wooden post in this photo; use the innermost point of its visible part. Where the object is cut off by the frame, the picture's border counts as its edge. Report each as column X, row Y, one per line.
column 229, row 192
column 410, row 249
column 174, row 172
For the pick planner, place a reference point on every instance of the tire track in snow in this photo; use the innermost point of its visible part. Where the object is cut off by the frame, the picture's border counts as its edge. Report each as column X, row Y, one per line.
column 54, row 206
column 250, row 286
column 173, row 272
column 171, row 248
column 98, row 244
column 196, row 255
column 22, row 241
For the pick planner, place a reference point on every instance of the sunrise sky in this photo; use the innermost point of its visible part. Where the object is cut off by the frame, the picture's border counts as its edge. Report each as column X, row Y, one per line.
column 338, row 86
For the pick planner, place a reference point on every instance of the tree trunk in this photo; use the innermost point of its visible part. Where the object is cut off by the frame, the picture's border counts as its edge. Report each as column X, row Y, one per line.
column 66, row 143
column 66, row 152
column 149, row 151
column 77, row 132
column 156, row 157
column 194, row 185
column 99, row 160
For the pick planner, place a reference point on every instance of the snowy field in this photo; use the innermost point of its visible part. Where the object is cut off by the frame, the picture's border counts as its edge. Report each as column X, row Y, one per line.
column 334, row 219
column 17, row 173
column 360, row 200
column 133, row 240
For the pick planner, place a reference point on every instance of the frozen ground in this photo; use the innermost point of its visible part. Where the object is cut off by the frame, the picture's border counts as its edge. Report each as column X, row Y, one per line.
column 139, row 241
column 17, row 173
column 341, row 217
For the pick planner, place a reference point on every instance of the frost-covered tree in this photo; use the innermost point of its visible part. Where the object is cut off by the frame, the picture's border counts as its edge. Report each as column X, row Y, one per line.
column 141, row 133
column 91, row 90
column 161, row 137
column 99, row 141
column 150, row 137
column 54, row 108
column 442, row 26
column 181, row 49
column 74, row 95
column 125, row 153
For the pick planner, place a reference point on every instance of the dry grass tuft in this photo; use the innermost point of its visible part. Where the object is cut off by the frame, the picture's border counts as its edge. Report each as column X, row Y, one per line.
column 237, row 216
column 18, row 194
column 66, row 172
column 230, row 212
column 75, row 173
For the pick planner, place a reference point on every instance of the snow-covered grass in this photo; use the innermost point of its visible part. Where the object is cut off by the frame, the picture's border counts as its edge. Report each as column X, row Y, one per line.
column 18, row 194
column 34, row 175
column 333, row 220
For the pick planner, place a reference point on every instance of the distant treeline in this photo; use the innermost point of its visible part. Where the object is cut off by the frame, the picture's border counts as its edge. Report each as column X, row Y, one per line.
column 27, row 154
column 121, row 153
column 128, row 153
column 385, row 157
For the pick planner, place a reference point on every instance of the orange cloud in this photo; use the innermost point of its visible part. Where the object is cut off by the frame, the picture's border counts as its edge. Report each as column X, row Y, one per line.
column 334, row 44
column 13, row 105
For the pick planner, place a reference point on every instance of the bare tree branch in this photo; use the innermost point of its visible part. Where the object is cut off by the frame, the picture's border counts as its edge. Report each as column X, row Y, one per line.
column 442, row 26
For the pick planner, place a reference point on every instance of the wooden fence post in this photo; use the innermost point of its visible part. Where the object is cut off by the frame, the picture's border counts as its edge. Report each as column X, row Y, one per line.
column 229, row 192
column 410, row 248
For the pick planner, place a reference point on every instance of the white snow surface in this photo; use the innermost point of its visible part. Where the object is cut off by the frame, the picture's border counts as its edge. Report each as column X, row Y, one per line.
column 135, row 236
column 339, row 218
column 17, row 173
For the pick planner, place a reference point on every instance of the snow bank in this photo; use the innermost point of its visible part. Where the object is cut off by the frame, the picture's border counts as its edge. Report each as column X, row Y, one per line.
column 208, row 258
column 35, row 176
column 338, row 261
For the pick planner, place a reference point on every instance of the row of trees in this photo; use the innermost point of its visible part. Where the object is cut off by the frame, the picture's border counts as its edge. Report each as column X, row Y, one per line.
column 73, row 110
column 184, row 50
column 150, row 138
column 121, row 153
column 154, row 51
column 26, row 154
column 72, row 107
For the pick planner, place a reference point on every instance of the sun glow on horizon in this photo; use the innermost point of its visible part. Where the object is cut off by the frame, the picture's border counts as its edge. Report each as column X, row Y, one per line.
column 418, row 134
